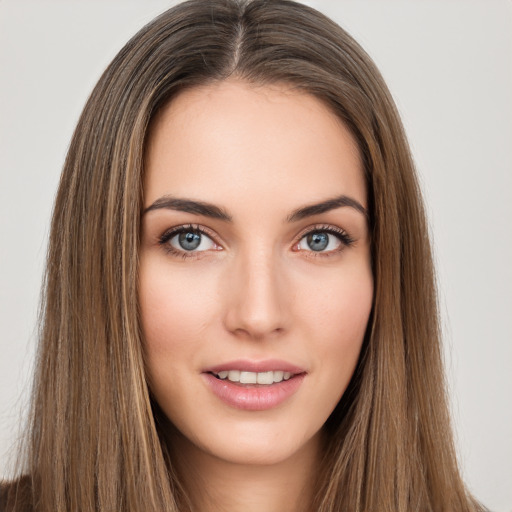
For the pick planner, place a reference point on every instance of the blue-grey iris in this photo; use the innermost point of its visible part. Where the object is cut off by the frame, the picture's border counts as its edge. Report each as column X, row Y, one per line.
column 189, row 240
column 318, row 241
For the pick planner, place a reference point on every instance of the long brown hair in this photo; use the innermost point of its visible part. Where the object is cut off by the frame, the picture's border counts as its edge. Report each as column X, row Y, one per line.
column 94, row 440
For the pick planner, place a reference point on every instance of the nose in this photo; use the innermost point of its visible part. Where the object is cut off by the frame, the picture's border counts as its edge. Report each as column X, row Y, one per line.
column 255, row 294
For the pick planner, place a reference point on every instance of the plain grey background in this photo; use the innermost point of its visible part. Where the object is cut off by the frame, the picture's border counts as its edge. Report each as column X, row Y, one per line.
column 448, row 64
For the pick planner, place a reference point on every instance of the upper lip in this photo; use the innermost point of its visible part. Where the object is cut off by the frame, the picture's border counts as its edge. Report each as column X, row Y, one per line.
column 247, row 365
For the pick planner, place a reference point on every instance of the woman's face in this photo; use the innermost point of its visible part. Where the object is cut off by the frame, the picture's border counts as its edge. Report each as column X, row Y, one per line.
column 255, row 277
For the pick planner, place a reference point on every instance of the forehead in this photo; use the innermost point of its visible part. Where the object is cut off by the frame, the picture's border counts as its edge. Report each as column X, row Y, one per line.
column 231, row 141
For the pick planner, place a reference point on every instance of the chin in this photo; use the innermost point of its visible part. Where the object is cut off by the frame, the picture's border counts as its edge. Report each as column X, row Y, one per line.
column 247, row 443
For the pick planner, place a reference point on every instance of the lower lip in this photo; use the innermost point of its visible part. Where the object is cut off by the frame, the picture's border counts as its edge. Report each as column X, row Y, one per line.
column 253, row 397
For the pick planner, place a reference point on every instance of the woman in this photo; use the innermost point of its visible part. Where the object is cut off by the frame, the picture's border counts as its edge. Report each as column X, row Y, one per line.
column 239, row 283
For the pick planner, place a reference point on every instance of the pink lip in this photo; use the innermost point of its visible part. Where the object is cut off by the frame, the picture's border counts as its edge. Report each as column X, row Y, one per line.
column 253, row 397
column 246, row 365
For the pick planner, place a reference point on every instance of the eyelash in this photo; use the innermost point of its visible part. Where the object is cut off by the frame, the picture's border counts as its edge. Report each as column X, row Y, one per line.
column 188, row 228
column 345, row 239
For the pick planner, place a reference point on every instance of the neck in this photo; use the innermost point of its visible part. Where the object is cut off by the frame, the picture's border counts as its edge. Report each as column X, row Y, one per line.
column 215, row 485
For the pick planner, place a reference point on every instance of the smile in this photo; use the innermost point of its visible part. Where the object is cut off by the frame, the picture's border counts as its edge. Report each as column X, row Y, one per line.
column 254, row 386
column 244, row 377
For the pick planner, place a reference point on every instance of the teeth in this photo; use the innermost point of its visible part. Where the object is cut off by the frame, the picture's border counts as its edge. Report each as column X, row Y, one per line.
column 248, row 378
column 234, row 375
column 278, row 376
column 254, row 377
column 265, row 378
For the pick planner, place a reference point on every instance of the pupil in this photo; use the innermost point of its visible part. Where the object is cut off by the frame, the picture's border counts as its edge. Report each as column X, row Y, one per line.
column 318, row 241
column 189, row 241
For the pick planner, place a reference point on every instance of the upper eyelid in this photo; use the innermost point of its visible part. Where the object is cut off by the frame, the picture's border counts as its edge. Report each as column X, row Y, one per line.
column 345, row 239
column 322, row 227
column 170, row 232
column 165, row 239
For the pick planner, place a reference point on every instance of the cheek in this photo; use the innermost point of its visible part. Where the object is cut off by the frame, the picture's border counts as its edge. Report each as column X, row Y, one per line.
column 335, row 316
column 340, row 304
column 174, row 310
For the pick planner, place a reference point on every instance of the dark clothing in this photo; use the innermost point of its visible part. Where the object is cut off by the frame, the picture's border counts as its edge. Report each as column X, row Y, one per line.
column 17, row 493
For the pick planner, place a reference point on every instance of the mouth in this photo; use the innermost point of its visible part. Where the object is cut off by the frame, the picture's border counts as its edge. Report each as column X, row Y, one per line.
column 254, row 386
column 245, row 377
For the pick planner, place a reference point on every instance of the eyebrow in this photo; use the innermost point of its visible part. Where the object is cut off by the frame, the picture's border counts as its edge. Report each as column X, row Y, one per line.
column 215, row 212
column 325, row 206
column 189, row 206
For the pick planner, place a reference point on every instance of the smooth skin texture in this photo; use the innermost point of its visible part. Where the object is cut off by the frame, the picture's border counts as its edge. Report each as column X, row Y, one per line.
column 255, row 288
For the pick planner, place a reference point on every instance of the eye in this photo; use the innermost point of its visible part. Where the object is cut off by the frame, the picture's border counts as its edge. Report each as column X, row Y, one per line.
column 319, row 241
column 324, row 240
column 191, row 241
column 187, row 239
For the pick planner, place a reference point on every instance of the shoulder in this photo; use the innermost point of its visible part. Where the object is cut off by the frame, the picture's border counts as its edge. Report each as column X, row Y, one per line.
column 16, row 496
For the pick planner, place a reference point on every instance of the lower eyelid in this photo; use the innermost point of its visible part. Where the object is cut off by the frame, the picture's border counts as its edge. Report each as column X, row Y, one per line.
column 173, row 248
column 343, row 238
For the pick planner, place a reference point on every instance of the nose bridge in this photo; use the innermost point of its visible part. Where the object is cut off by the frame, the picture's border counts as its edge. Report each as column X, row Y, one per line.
column 256, row 304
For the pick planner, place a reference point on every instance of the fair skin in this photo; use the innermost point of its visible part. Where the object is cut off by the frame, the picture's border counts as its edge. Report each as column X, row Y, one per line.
column 255, row 282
